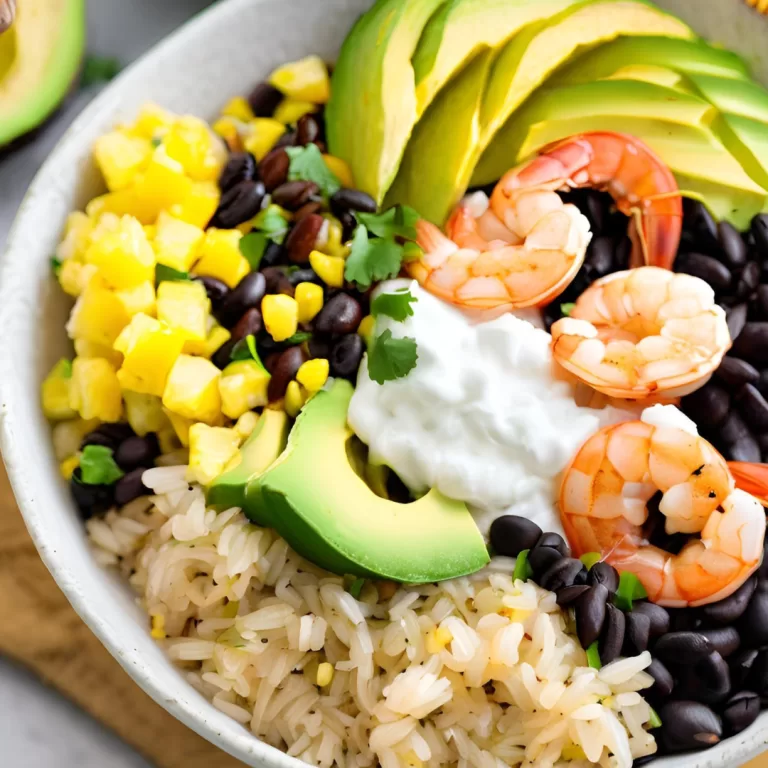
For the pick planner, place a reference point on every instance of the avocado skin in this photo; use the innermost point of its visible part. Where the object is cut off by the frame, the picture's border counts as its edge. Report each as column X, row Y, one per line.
column 327, row 513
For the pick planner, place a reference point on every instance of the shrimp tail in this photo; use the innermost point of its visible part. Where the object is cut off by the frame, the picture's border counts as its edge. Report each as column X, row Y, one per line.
column 752, row 478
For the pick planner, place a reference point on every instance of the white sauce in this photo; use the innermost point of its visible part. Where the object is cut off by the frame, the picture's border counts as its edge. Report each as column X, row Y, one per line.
column 481, row 417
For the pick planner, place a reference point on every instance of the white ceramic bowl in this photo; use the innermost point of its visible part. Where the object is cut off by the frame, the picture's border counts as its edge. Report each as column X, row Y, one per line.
column 219, row 54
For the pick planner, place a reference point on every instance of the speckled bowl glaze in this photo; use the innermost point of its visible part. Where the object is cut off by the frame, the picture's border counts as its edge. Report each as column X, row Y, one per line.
column 219, row 54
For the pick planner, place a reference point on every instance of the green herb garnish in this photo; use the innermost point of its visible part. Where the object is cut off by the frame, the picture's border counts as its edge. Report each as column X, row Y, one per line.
column 252, row 246
column 356, row 587
column 245, row 349
column 567, row 308
column 398, row 221
column 164, row 273
column 591, row 558
column 654, row 721
column 98, row 467
column 630, row 589
column 298, row 338
column 156, row 141
column 372, row 260
column 523, row 570
column 593, row 656
column 56, row 265
column 307, row 164
column 396, row 305
column 391, row 358
column 63, row 368
column 272, row 222
column 98, row 69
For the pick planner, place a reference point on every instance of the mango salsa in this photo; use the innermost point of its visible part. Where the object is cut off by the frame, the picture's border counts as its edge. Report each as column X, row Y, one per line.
column 220, row 257
column 243, row 387
column 192, row 389
column 98, row 316
column 176, row 242
column 123, row 256
column 94, row 390
column 210, row 449
column 55, row 392
column 144, row 412
column 184, row 306
column 120, row 157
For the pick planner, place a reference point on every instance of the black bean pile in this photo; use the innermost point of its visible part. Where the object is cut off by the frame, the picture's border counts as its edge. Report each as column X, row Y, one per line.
column 710, row 664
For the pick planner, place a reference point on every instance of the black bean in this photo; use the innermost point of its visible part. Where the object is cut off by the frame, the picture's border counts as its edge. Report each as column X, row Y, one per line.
column 561, row 574
column 705, row 267
column 221, row 357
column 757, row 679
column 284, row 372
column 348, row 224
column 744, row 449
column 741, row 664
column 729, row 609
column 287, row 140
column 638, row 761
column 345, row 356
column 264, row 99
column 748, row 280
column 247, row 294
column 658, row 615
column 753, row 406
column 600, row 255
column 761, row 301
column 752, row 344
column 241, row 166
column 273, row 168
column 570, row 594
column 709, row 681
column 736, row 372
column 759, row 231
column 689, row 725
column 307, row 209
column 320, row 346
column 596, row 210
column 605, row 574
column 734, row 247
column 108, row 435
column 698, row 220
column 683, row 620
column 707, row 406
column 736, row 319
column 753, row 624
column 682, row 648
column 238, row 204
column 137, row 452
column 341, row 314
column 511, row 534
column 250, row 324
column 733, row 428
column 352, row 200
column 542, row 558
column 623, row 252
column 740, row 711
column 555, row 541
column 305, row 275
column 273, row 255
column 278, row 281
column 590, row 614
column 293, row 194
column 762, row 385
column 91, row 499
column 725, row 640
column 130, row 486
column 302, row 238
column 663, row 682
column 307, row 130
column 215, row 289
column 612, row 638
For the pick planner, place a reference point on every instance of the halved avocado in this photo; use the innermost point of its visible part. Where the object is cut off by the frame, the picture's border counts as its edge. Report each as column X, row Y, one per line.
column 325, row 510
column 40, row 56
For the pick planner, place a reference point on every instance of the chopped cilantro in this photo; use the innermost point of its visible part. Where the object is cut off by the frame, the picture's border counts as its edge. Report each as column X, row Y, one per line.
column 156, row 141
column 411, row 251
column 56, row 265
column 396, row 305
column 590, row 558
column 391, row 358
column 164, row 273
column 356, row 587
column 630, row 589
column 97, row 467
column 398, row 221
column 567, row 308
column 298, row 338
column 64, row 368
column 252, row 246
column 272, row 223
column 98, row 69
column 307, row 164
column 372, row 260
column 523, row 570
column 654, row 721
column 593, row 656
column 245, row 349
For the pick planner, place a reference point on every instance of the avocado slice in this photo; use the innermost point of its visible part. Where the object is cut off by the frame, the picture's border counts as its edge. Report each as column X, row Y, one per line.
column 263, row 446
column 314, row 498
column 40, row 57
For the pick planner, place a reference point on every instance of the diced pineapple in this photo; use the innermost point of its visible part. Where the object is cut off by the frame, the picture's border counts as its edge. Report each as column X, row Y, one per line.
column 184, row 306
column 123, row 256
column 144, row 412
column 220, row 257
column 191, row 142
column 153, row 121
column 243, row 387
column 139, row 299
column 74, row 276
column 103, row 222
column 150, row 349
column 262, row 134
column 199, row 205
column 176, row 242
column 120, row 157
column 217, row 335
column 161, row 186
column 227, row 128
column 246, row 424
column 98, row 315
column 306, row 80
column 180, row 425
column 94, row 389
column 239, row 108
column 68, row 467
column 55, row 392
column 192, row 389
column 68, row 435
column 77, row 233
column 85, row 348
column 289, row 111
column 210, row 449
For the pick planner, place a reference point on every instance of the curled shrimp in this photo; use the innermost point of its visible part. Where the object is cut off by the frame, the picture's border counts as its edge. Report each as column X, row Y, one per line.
column 616, row 476
column 524, row 246
column 643, row 332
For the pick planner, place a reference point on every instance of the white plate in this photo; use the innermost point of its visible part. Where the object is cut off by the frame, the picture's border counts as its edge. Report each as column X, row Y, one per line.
column 221, row 53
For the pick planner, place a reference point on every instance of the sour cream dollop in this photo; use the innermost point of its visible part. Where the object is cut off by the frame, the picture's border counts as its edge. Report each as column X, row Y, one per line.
column 481, row 417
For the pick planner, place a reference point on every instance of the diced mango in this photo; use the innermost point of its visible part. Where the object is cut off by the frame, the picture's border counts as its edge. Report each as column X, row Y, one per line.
column 180, row 425
column 144, row 412
column 340, row 170
column 220, row 257
column 176, row 242
column 85, row 348
column 281, row 316
column 74, row 276
column 77, row 233
column 152, row 122
column 217, row 335
column 120, row 157
column 330, row 269
column 68, row 467
column 289, row 111
column 94, row 389
column 199, row 205
column 161, row 186
column 210, row 449
column 261, row 136
column 306, row 80
column 313, row 374
column 184, row 306
column 68, row 435
column 332, row 244
column 246, row 424
column 98, row 315
column 139, row 299
column 192, row 389
column 192, row 143
column 227, row 128
column 168, row 440
column 309, row 297
column 150, row 349
column 123, row 256
column 243, row 387
column 295, row 397
column 55, row 392
column 239, row 108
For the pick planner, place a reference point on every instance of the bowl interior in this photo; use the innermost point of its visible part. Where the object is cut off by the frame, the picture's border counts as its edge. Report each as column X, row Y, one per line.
column 220, row 54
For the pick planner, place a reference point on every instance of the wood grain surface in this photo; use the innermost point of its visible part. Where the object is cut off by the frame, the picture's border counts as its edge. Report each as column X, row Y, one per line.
column 40, row 630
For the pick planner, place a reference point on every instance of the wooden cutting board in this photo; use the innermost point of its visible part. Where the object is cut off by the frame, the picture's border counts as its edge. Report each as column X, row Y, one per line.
column 46, row 635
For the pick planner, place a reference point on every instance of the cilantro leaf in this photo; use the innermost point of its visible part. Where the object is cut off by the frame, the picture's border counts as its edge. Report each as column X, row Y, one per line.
column 245, row 349
column 396, row 305
column 356, row 587
column 156, row 141
column 523, row 569
column 272, row 223
column 56, row 265
column 298, row 338
column 164, row 273
column 252, row 246
column 391, row 358
column 630, row 589
column 307, row 164
column 64, row 368
column 654, row 721
column 371, row 260
column 97, row 467
column 398, row 221
column 593, row 656
column 591, row 558
column 567, row 308
column 98, row 69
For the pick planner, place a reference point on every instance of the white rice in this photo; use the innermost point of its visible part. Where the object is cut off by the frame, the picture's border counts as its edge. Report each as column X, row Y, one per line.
column 478, row 672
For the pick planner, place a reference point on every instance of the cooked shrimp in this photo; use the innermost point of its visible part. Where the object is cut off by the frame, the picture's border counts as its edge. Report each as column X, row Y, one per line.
column 524, row 247
column 643, row 332
column 752, row 478
column 604, row 499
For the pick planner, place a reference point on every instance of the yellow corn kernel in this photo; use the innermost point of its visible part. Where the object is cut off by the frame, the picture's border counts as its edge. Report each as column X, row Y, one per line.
column 341, row 170
column 210, row 450
column 74, row 276
column 438, row 639
column 68, row 435
column 306, row 79
column 153, row 121
column 181, row 426
column 192, row 389
column 313, row 374
column 366, row 327
column 281, row 316
column 184, row 306
column 123, row 256
column 139, row 299
column 191, row 142
column 158, row 627
column 239, row 108
column 120, row 157
column 227, row 128
column 68, row 466
column 98, row 315
column 330, row 269
column 246, row 424
column 332, row 244
column 168, row 440
column 262, row 134
column 243, row 387
column 295, row 397
column 199, row 205
column 515, row 615
column 325, row 674
column 217, row 336
column 55, row 392
column 289, row 111
column 176, row 242
column 94, row 390
column 220, row 257
column 85, row 348
column 150, row 349
column 309, row 297
column 77, row 234
column 144, row 412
